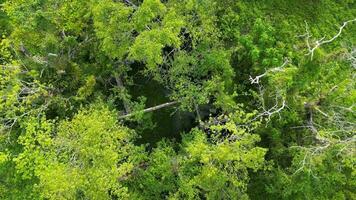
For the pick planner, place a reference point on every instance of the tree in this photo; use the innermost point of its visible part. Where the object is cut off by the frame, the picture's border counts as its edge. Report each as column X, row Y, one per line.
column 85, row 157
column 212, row 162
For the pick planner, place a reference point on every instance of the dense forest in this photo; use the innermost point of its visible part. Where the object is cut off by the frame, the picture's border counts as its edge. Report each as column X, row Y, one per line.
column 178, row 99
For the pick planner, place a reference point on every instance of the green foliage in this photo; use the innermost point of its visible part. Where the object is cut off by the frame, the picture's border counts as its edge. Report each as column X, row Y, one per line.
column 205, row 164
column 84, row 158
column 112, row 27
column 201, row 168
column 93, row 154
column 259, row 116
column 148, row 46
column 87, row 89
column 148, row 11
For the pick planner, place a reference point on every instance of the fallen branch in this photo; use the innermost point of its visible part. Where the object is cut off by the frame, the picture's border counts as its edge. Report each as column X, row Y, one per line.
column 149, row 109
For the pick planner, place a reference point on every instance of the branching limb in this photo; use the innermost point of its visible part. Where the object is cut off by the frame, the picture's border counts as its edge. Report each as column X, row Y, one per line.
column 268, row 113
column 256, row 79
column 347, row 147
column 280, row 103
column 321, row 41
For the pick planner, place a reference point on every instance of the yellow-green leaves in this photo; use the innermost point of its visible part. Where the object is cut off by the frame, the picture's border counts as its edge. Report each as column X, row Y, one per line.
column 87, row 154
column 87, row 89
column 19, row 91
column 148, row 11
column 149, row 44
column 202, row 167
column 113, row 27
column 71, row 15
column 90, row 146
column 58, row 181
column 210, row 166
column 198, row 147
column 142, row 34
column 38, row 147
column 3, row 157
column 197, row 76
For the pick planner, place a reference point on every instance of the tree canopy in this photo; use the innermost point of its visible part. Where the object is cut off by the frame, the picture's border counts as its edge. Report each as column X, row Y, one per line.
column 177, row 99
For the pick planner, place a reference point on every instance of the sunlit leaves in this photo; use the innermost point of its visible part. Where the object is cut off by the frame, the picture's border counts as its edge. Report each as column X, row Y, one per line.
column 148, row 46
column 113, row 27
column 86, row 155
column 203, row 167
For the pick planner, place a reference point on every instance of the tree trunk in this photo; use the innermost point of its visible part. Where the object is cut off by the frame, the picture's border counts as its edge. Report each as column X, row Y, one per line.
column 121, row 86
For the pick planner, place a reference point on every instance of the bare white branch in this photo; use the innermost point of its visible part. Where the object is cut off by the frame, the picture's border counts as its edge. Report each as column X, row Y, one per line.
column 268, row 113
column 256, row 79
column 164, row 105
column 322, row 40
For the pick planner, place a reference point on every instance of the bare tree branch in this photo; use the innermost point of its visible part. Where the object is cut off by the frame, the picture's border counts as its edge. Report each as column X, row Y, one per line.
column 130, row 3
column 351, row 56
column 321, row 41
column 256, row 80
column 150, row 109
column 276, row 109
